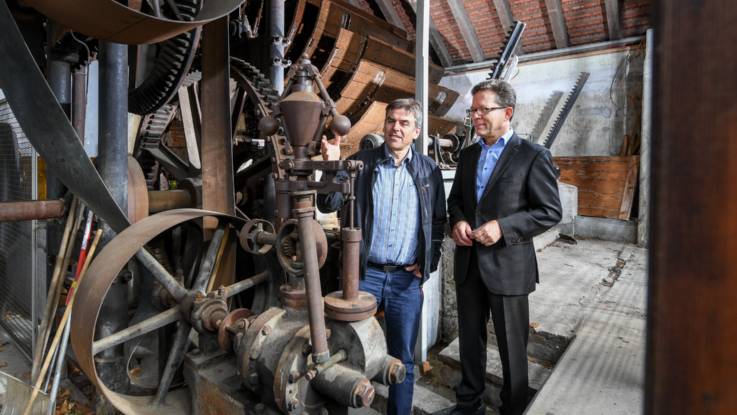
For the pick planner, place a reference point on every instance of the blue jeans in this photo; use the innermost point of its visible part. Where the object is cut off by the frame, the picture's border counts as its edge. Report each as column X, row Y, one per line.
column 399, row 294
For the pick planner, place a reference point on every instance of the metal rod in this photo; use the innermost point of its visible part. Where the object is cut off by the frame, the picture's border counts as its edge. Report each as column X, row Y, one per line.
column 150, row 324
column 161, row 200
column 176, row 355
column 59, row 366
column 31, row 210
column 243, row 285
column 169, row 316
column 351, row 238
column 161, row 274
column 208, row 261
column 320, row 352
column 277, row 45
column 79, row 101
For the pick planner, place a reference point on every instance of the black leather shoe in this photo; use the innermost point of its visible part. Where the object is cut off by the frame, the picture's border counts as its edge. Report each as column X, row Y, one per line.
column 465, row 410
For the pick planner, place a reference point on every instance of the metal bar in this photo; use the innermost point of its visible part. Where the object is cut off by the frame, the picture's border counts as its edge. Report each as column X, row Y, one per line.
column 318, row 335
column 691, row 365
column 247, row 283
column 31, row 210
column 161, row 200
column 643, row 220
column 169, row 316
column 217, row 148
column 208, row 261
column 422, row 69
column 557, row 23
column 471, row 39
column 176, row 356
column 79, row 101
column 351, row 238
column 62, row 351
column 277, row 45
column 161, row 274
column 146, row 326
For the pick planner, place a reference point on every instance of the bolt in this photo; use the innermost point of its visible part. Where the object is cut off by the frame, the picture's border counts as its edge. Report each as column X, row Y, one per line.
column 310, row 374
column 266, row 330
column 293, row 376
column 396, row 372
column 363, row 394
column 293, row 404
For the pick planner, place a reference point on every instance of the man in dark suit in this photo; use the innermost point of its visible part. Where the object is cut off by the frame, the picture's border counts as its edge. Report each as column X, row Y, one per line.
column 504, row 193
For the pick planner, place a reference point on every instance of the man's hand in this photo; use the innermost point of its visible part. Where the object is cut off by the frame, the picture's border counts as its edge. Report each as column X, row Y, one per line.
column 330, row 149
column 462, row 234
column 488, row 234
column 414, row 269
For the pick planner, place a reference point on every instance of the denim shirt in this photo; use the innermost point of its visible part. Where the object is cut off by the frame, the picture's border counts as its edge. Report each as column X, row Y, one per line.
column 487, row 161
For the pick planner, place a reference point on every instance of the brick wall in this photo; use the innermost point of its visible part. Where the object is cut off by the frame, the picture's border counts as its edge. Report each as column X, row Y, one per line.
column 538, row 34
column 635, row 17
column 488, row 27
column 443, row 18
column 585, row 20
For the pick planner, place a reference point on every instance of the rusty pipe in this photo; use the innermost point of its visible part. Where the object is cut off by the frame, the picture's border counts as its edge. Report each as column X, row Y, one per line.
column 161, row 200
column 320, row 352
column 31, row 210
column 351, row 238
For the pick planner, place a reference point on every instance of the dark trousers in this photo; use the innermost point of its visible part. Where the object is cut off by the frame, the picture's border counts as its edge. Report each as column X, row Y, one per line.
column 510, row 315
column 399, row 294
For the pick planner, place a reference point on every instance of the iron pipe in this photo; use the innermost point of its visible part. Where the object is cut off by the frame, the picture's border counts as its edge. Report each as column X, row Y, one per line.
column 31, row 210
column 161, row 200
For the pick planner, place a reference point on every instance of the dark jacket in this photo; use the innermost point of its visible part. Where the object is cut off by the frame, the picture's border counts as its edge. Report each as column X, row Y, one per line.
column 522, row 195
column 427, row 178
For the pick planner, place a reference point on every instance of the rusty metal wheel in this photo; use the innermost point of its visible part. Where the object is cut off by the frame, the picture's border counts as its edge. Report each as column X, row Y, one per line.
column 193, row 309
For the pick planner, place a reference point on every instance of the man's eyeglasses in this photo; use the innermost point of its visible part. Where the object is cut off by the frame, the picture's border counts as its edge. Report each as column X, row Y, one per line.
column 483, row 110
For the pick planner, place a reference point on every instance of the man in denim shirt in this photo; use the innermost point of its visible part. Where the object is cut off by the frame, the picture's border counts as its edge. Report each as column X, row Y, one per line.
column 400, row 205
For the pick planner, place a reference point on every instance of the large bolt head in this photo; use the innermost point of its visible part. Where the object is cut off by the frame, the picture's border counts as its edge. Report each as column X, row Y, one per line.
column 397, row 372
column 363, row 394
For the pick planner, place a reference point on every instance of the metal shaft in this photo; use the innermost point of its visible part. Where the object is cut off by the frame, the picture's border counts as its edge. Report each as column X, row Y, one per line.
column 351, row 238
column 113, row 167
column 31, row 210
column 320, row 352
column 277, row 45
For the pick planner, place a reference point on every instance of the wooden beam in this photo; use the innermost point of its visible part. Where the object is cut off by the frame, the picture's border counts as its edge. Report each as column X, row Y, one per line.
column 504, row 12
column 436, row 40
column 466, row 28
column 612, row 19
column 691, row 365
column 557, row 23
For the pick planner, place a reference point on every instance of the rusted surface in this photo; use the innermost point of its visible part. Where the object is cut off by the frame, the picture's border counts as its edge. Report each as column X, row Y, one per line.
column 31, row 210
column 293, row 297
column 138, row 207
column 217, row 147
column 351, row 238
column 234, row 322
column 105, row 267
column 161, row 200
column 109, row 20
column 692, row 321
column 361, row 307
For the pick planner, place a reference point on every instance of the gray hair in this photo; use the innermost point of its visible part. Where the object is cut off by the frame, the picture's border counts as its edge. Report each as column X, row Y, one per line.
column 505, row 95
column 408, row 104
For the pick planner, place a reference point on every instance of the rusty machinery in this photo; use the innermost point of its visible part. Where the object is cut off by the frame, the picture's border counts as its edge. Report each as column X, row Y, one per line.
column 270, row 341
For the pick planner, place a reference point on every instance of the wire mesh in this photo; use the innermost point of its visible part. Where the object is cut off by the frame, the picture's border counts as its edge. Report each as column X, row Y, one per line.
column 17, row 240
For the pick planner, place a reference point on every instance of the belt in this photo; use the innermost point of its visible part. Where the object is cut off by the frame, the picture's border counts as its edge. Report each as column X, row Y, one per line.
column 387, row 267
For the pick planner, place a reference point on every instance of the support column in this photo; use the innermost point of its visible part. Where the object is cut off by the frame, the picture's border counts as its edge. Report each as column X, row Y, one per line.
column 112, row 163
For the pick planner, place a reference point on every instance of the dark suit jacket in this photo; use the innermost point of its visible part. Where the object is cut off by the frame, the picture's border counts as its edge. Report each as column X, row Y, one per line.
column 522, row 195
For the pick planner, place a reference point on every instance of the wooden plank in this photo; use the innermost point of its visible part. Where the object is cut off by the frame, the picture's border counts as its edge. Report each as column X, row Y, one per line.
column 466, row 28
column 557, row 23
column 606, row 185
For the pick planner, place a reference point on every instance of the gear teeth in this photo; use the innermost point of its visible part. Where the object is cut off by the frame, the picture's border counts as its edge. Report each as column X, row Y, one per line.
column 565, row 109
